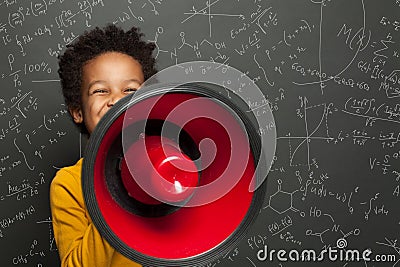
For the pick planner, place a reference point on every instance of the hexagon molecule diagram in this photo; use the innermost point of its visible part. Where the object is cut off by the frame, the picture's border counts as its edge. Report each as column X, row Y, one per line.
column 282, row 201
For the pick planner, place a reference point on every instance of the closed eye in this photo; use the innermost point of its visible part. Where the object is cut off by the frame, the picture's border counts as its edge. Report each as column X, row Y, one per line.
column 100, row 91
column 130, row 90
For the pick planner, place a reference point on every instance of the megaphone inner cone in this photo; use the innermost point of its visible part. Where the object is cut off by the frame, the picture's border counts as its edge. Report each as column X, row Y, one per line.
column 155, row 170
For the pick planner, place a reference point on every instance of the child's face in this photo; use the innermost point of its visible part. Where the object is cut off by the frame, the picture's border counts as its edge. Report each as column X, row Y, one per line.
column 105, row 80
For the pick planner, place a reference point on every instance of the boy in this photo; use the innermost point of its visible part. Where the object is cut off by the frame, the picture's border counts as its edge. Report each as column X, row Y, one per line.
column 97, row 70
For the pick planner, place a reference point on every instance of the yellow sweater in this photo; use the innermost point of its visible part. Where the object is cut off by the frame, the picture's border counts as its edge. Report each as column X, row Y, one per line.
column 79, row 242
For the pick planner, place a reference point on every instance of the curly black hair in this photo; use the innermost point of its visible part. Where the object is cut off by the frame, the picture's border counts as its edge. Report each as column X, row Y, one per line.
column 94, row 43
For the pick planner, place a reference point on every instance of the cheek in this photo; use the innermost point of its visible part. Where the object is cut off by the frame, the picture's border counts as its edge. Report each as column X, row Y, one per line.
column 93, row 112
column 96, row 107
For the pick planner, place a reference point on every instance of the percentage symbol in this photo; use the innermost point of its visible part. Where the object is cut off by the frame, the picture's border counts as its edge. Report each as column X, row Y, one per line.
column 45, row 67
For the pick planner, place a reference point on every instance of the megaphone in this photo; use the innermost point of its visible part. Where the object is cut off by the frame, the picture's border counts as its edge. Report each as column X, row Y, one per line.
column 170, row 174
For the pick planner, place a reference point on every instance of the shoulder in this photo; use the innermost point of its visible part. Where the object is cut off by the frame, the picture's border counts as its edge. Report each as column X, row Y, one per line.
column 68, row 178
column 74, row 170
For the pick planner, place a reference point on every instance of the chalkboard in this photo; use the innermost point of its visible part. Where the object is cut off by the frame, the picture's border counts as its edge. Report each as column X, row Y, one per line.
column 329, row 70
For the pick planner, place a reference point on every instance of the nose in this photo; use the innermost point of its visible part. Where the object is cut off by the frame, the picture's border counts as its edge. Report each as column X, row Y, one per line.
column 114, row 98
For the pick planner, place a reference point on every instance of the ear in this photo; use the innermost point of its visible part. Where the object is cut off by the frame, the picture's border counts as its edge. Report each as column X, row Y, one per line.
column 76, row 114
